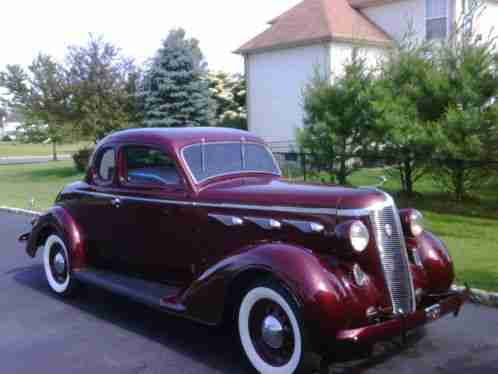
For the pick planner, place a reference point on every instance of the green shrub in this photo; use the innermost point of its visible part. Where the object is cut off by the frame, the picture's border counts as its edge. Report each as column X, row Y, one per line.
column 6, row 138
column 81, row 158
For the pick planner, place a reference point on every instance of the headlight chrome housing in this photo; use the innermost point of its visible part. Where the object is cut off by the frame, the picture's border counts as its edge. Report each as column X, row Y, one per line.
column 413, row 222
column 359, row 236
column 353, row 235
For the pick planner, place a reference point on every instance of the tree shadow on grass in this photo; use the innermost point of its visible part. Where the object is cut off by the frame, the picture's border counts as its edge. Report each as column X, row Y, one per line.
column 54, row 172
column 442, row 203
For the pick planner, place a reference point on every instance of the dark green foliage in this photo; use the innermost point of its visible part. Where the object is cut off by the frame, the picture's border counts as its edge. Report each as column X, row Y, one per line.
column 41, row 94
column 103, row 88
column 176, row 91
column 468, row 127
column 34, row 133
column 405, row 106
column 339, row 119
column 81, row 158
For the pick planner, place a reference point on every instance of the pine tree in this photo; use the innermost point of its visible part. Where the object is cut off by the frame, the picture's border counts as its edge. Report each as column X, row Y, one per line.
column 176, row 92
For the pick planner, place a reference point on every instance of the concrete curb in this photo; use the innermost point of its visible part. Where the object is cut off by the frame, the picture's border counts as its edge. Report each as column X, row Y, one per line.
column 25, row 160
column 476, row 296
column 24, row 212
column 482, row 297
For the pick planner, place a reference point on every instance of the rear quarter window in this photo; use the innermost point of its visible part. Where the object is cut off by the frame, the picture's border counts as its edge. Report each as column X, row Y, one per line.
column 106, row 168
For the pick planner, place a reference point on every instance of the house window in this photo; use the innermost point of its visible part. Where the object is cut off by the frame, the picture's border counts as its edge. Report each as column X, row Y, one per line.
column 436, row 19
column 470, row 7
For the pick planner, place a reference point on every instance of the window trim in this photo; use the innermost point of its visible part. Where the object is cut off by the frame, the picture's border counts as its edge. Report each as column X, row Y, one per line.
column 123, row 170
column 97, row 180
column 447, row 16
column 187, row 166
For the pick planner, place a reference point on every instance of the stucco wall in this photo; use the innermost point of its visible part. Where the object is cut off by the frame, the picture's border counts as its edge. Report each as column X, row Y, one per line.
column 341, row 53
column 275, row 83
column 399, row 17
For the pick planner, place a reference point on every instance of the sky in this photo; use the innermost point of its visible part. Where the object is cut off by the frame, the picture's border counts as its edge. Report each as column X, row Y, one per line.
column 137, row 27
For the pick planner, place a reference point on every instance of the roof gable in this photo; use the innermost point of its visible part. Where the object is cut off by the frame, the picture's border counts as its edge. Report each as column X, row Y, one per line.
column 314, row 21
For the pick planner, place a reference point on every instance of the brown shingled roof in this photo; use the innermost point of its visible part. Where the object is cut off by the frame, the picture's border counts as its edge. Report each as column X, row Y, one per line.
column 314, row 21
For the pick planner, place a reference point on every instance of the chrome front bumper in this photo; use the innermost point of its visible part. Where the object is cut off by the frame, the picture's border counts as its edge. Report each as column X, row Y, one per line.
column 398, row 326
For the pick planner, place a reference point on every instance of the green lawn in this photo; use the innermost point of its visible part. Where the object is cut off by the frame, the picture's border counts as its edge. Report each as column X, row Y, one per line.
column 20, row 183
column 470, row 229
column 18, row 149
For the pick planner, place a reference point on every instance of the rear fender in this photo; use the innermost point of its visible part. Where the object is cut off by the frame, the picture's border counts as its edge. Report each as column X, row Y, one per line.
column 58, row 219
column 319, row 293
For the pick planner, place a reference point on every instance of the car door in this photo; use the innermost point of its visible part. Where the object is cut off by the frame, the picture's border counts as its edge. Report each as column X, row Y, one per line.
column 156, row 240
column 95, row 210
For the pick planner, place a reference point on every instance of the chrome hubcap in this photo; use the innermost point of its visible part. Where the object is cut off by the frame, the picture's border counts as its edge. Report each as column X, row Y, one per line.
column 59, row 263
column 273, row 332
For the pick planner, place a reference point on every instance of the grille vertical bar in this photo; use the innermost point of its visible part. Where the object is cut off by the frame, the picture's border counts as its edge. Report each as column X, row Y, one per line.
column 394, row 258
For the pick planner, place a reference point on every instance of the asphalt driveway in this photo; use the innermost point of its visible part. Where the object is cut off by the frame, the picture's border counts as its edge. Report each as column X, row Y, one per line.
column 101, row 333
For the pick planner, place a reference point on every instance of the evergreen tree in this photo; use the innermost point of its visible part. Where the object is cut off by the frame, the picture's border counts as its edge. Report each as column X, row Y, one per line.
column 176, row 91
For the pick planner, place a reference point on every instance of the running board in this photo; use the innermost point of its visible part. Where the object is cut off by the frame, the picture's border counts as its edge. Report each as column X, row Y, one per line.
column 153, row 294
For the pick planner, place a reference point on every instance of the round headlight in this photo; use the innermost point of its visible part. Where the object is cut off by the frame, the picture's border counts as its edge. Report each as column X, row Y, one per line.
column 359, row 236
column 416, row 223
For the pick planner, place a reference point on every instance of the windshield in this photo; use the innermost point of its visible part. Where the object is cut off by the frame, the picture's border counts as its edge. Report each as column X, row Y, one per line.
column 213, row 159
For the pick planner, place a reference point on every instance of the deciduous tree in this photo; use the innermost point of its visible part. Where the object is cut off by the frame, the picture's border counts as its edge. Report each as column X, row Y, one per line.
column 229, row 94
column 468, row 128
column 405, row 106
column 103, row 88
column 41, row 94
column 339, row 119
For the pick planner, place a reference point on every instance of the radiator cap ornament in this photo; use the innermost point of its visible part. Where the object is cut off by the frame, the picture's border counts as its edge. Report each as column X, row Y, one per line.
column 389, row 230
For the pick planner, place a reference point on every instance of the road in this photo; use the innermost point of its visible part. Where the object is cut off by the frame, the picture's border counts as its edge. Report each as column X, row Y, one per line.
column 97, row 332
column 18, row 160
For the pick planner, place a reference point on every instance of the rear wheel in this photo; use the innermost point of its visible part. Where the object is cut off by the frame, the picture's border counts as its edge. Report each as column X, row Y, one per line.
column 57, row 266
column 271, row 331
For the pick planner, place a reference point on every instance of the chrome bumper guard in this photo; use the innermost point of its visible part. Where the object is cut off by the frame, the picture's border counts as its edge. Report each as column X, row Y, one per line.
column 399, row 325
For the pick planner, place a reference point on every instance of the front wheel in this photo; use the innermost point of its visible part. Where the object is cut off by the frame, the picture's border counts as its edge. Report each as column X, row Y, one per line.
column 57, row 266
column 271, row 331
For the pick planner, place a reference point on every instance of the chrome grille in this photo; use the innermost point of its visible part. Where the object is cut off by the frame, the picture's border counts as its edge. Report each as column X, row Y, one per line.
column 394, row 258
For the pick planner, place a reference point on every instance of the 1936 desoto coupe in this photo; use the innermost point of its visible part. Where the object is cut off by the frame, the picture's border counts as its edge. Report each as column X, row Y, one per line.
column 198, row 222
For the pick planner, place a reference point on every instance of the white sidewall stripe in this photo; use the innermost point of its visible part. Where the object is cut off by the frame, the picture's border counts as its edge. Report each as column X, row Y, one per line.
column 54, row 285
column 246, row 306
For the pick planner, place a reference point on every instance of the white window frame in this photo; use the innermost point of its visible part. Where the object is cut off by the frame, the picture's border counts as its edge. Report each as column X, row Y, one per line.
column 448, row 20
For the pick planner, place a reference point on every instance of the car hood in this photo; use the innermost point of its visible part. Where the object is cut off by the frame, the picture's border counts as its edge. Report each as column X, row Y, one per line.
column 278, row 192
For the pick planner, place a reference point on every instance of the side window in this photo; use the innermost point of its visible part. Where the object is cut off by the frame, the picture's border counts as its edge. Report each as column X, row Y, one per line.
column 258, row 158
column 436, row 19
column 107, row 166
column 147, row 166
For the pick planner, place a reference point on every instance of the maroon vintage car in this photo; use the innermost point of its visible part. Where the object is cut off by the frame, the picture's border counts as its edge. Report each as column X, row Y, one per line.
column 198, row 222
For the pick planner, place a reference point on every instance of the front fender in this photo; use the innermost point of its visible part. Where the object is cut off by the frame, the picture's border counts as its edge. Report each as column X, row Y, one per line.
column 59, row 220
column 437, row 263
column 325, row 298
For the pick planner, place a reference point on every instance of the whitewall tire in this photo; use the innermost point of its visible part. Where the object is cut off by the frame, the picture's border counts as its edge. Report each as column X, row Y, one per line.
column 270, row 330
column 56, row 265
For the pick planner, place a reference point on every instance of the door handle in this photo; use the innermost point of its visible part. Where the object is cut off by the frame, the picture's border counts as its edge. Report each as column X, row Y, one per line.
column 116, row 202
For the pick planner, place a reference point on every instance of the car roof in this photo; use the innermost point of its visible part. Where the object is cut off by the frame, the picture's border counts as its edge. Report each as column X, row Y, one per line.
column 179, row 137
